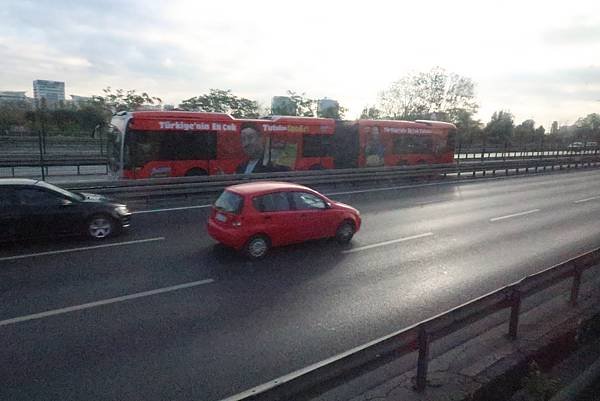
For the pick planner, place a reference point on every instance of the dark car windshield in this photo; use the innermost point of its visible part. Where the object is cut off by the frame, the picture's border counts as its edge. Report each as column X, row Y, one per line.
column 63, row 192
column 229, row 202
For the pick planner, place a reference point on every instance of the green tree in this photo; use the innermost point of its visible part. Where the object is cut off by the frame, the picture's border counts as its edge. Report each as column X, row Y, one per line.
column 305, row 107
column 524, row 133
column 13, row 115
column 422, row 94
column 540, row 133
column 222, row 101
column 121, row 100
column 371, row 113
column 499, row 130
column 588, row 128
column 469, row 131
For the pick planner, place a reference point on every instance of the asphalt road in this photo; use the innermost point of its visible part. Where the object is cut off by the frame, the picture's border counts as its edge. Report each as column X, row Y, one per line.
column 163, row 314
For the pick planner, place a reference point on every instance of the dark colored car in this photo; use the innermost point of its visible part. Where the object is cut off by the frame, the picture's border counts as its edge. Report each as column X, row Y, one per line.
column 30, row 208
column 256, row 216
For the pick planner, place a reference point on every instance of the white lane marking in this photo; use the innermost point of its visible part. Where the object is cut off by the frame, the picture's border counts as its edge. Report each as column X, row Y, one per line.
column 362, row 248
column 103, row 302
column 84, row 248
column 587, row 199
column 170, row 209
column 515, row 215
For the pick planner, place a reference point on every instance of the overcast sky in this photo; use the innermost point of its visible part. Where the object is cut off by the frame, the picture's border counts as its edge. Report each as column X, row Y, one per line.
column 539, row 60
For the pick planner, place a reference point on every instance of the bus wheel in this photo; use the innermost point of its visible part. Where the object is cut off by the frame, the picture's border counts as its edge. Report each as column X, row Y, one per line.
column 195, row 172
column 316, row 167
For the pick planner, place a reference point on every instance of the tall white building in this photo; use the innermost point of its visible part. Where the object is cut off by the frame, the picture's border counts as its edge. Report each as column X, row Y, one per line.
column 52, row 91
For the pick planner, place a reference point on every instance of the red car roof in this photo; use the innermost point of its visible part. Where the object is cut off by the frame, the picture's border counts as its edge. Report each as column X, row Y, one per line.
column 260, row 187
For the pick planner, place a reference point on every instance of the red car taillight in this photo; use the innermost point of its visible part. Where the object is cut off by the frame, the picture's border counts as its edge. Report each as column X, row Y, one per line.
column 236, row 221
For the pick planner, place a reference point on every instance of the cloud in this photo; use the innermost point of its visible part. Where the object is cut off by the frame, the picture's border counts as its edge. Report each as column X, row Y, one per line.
column 562, row 94
column 351, row 52
column 578, row 33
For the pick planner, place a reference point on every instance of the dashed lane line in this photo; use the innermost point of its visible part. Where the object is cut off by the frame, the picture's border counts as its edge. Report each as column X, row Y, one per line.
column 587, row 199
column 108, row 301
column 170, row 209
column 362, row 248
column 509, row 216
column 83, row 248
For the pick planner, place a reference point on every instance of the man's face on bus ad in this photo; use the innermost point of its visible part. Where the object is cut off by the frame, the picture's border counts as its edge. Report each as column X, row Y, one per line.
column 252, row 143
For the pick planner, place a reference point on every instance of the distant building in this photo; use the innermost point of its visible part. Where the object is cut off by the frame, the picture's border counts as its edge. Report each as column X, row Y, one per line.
column 283, row 105
column 11, row 96
column 78, row 101
column 52, row 91
column 328, row 107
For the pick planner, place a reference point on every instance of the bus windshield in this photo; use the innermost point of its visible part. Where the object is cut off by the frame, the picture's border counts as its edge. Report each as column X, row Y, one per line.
column 113, row 147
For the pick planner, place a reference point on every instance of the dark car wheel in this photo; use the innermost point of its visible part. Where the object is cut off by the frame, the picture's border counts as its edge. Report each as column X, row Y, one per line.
column 345, row 232
column 100, row 226
column 257, row 247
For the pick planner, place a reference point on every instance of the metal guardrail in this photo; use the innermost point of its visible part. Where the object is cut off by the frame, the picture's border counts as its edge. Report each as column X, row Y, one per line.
column 49, row 160
column 319, row 377
column 14, row 161
column 190, row 186
column 507, row 152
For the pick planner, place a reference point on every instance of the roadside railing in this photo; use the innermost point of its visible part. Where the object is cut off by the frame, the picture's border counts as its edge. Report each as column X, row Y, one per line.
column 189, row 186
column 14, row 162
column 149, row 189
column 320, row 377
column 17, row 161
column 496, row 152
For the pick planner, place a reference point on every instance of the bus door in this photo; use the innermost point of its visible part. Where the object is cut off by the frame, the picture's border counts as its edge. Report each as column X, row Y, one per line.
column 347, row 146
column 229, row 152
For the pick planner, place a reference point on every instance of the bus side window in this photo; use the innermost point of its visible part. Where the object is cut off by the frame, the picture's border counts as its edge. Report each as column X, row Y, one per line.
column 182, row 145
column 315, row 145
column 412, row 144
column 197, row 146
column 399, row 145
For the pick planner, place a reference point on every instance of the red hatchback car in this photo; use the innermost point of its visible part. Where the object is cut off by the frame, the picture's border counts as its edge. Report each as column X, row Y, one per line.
column 256, row 216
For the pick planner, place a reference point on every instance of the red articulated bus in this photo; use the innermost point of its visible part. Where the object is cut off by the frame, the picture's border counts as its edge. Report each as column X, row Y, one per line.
column 379, row 143
column 151, row 144
column 174, row 144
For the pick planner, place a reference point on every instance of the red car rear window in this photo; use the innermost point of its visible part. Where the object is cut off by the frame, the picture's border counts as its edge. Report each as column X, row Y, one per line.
column 229, row 202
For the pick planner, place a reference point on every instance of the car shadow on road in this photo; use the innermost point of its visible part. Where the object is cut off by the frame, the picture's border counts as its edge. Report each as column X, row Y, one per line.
column 305, row 259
